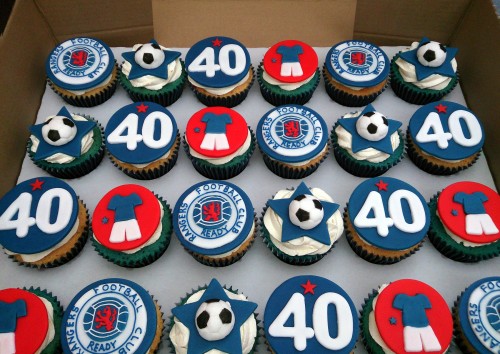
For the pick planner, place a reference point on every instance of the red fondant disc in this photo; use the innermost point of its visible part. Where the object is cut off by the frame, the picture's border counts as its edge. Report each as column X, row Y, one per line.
column 31, row 329
column 273, row 61
column 453, row 216
column 203, row 122
column 389, row 319
column 118, row 214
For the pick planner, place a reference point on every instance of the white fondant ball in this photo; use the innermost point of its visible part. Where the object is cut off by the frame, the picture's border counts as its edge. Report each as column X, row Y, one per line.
column 149, row 56
column 58, row 130
column 214, row 319
column 431, row 54
column 372, row 126
column 306, row 211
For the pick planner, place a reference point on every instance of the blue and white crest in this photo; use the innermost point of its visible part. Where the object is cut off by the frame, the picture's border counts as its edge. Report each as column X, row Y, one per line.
column 106, row 319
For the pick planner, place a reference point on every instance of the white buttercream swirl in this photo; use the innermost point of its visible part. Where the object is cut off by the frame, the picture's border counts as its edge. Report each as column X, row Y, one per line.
column 219, row 91
column 179, row 335
column 287, row 86
column 51, row 330
column 304, row 245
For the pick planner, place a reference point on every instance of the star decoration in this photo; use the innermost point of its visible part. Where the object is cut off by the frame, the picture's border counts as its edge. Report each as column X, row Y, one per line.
column 72, row 148
column 393, row 321
column 441, row 108
column 161, row 71
column 359, row 143
column 308, row 287
column 291, row 231
column 232, row 342
column 423, row 71
column 142, row 108
column 197, row 130
column 216, row 42
column 381, row 185
column 36, row 185
column 105, row 220
column 454, row 212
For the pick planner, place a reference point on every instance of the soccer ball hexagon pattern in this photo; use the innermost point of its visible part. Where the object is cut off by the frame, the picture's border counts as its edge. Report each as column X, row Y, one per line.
column 305, row 211
column 431, row 54
column 372, row 126
column 214, row 319
column 149, row 56
column 58, row 130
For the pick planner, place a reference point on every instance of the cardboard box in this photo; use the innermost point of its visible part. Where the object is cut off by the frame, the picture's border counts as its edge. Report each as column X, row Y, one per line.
column 36, row 26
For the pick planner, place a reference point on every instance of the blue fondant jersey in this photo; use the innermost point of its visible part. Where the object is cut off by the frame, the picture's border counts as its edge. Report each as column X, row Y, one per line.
column 290, row 54
column 216, row 123
column 9, row 313
column 124, row 206
column 413, row 308
column 472, row 203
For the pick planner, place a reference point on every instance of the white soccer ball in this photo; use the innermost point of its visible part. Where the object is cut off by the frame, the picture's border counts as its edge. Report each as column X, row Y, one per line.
column 372, row 126
column 149, row 56
column 431, row 54
column 214, row 319
column 58, row 130
column 306, row 211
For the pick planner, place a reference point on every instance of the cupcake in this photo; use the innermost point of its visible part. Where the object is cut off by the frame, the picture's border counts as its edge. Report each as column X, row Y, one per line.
column 112, row 316
column 310, row 314
column 289, row 73
column 465, row 222
column 214, row 222
column 220, row 72
column 366, row 143
column 301, row 226
column 218, row 142
column 475, row 316
column 43, row 223
column 293, row 140
column 142, row 140
column 425, row 72
column 66, row 145
column 31, row 321
column 214, row 319
column 82, row 71
column 406, row 316
column 444, row 138
column 151, row 72
column 131, row 226
column 380, row 239
column 355, row 73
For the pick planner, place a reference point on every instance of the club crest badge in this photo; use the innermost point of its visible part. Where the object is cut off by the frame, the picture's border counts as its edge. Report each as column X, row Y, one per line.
column 106, row 319
column 212, row 212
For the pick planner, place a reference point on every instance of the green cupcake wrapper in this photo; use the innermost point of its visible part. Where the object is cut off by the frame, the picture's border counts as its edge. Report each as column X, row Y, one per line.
column 166, row 96
column 452, row 249
column 411, row 93
column 277, row 96
column 148, row 254
column 371, row 346
column 80, row 166
column 148, row 174
column 225, row 171
column 363, row 168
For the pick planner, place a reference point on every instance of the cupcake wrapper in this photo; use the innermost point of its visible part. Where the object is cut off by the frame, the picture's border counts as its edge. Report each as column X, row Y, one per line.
column 225, row 171
column 148, row 254
column 148, row 174
column 458, row 335
column 348, row 99
column 89, row 101
column 290, row 97
column 365, row 168
column 224, row 101
column 165, row 97
column 452, row 249
column 411, row 93
column 371, row 346
column 163, row 326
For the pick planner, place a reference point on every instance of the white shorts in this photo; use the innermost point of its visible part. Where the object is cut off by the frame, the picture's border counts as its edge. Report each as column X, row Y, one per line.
column 478, row 224
column 215, row 142
column 420, row 338
column 291, row 69
column 125, row 230
column 8, row 343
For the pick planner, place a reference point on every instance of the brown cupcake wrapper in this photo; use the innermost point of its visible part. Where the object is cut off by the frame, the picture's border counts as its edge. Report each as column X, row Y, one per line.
column 291, row 172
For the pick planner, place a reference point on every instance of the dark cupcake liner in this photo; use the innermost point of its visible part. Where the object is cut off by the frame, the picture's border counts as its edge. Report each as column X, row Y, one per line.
column 452, row 249
column 92, row 100
column 299, row 96
column 163, row 326
column 458, row 334
column 371, row 346
column 364, row 168
column 166, row 96
column 224, row 101
column 148, row 174
column 411, row 93
column 148, row 254
column 425, row 165
column 348, row 99
column 225, row 171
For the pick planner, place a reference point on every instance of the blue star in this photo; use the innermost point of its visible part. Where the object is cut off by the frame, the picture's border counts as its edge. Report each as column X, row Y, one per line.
column 138, row 71
column 105, row 220
column 232, row 342
column 454, row 212
column 393, row 321
column 72, row 148
column 359, row 143
column 291, row 231
column 423, row 71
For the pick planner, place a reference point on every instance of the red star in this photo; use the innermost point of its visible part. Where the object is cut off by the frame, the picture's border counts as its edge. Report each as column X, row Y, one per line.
column 142, row 108
column 37, row 185
column 308, row 287
column 440, row 108
column 382, row 186
column 217, row 42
